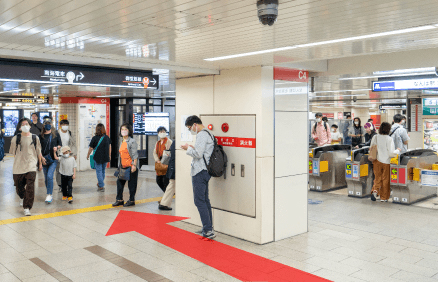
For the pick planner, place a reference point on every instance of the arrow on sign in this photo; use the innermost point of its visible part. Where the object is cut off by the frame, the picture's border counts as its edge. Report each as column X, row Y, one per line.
column 80, row 77
column 394, row 171
column 154, row 81
column 232, row 261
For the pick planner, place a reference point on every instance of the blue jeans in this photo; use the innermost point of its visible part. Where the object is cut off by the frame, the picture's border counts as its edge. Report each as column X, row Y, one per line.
column 100, row 173
column 202, row 202
column 49, row 170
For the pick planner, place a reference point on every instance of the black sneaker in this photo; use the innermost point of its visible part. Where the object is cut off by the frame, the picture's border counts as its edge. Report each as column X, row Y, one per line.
column 118, row 203
column 209, row 235
column 164, row 208
column 129, row 203
column 373, row 196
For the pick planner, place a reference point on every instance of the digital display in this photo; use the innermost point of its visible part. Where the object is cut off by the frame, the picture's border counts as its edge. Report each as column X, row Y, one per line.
column 10, row 118
column 148, row 123
column 42, row 115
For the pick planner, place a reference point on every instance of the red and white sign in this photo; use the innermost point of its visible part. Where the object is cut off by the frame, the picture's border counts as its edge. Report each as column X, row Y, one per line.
column 340, row 115
column 328, row 115
column 236, row 142
column 291, row 74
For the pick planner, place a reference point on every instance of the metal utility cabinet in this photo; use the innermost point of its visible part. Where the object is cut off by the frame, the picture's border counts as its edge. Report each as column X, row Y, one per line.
column 359, row 173
column 327, row 167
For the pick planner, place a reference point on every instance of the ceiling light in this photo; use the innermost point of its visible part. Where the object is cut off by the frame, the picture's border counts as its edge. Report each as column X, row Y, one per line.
column 339, row 91
column 12, row 91
column 354, row 38
column 53, row 85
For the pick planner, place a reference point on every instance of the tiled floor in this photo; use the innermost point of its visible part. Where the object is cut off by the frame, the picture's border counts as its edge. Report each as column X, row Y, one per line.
column 349, row 239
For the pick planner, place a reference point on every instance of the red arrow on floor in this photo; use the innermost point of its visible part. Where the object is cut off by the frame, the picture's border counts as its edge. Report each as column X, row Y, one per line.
column 230, row 260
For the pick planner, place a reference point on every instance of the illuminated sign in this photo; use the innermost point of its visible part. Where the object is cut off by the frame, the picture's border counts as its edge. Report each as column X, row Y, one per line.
column 412, row 84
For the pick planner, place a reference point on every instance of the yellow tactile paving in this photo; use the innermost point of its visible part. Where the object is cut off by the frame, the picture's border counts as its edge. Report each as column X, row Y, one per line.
column 64, row 213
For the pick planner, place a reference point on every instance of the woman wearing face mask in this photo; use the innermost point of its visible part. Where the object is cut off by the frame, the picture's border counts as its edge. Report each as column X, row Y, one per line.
column 50, row 141
column 162, row 144
column 356, row 132
column 67, row 140
column 128, row 158
column 101, row 145
column 321, row 131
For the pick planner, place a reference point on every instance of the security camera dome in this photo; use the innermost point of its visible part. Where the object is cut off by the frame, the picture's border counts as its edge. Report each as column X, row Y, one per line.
column 267, row 11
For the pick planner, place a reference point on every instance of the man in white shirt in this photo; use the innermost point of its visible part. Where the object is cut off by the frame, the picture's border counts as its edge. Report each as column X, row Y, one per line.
column 399, row 134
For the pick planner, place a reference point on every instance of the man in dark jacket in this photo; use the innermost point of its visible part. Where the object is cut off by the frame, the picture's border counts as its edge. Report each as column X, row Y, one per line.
column 166, row 201
column 36, row 127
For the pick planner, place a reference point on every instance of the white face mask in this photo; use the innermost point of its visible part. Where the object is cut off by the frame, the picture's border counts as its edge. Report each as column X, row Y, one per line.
column 162, row 135
column 403, row 122
column 356, row 123
column 64, row 127
column 124, row 133
column 66, row 155
column 193, row 132
column 318, row 120
column 25, row 128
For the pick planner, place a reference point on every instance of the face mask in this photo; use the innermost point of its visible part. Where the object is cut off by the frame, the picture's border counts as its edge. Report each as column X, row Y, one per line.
column 25, row 128
column 124, row 133
column 65, row 127
column 48, row 126
column 403, row 122
column 66, row 155
column 356, row 123
column 318, row 120
column 193, row 132
column 162, row 135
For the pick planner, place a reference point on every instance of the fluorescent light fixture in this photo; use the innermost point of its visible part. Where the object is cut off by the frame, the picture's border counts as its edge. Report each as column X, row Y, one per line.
column 53, row 85
column 354, row 38
column 339, row 91
column 108, row 96
column 405, row 71
column 379, row 76
column 12, row 91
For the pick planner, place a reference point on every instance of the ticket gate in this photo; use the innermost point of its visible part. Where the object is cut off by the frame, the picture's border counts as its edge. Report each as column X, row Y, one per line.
column 327, row 167
column 359, row 173
column 406, row 171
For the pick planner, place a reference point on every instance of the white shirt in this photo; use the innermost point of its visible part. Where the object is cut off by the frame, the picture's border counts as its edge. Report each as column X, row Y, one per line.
column 65, row 137
column 385, row 148
column 335, row 136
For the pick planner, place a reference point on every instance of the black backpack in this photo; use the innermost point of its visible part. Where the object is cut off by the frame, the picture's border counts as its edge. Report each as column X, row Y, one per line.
column 18, row 142
column 218, row 160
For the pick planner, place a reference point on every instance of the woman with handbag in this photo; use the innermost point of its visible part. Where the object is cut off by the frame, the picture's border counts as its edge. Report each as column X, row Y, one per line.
column 381, row 151
column 100, row 145
column 128, row 170
column 163, row 144
column 50, row 142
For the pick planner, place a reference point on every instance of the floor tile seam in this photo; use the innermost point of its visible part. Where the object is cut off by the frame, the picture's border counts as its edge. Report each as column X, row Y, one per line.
column 69, row 212
column 46, row 267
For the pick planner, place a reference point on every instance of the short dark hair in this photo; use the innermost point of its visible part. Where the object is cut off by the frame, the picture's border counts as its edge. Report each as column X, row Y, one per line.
column 370, row 120
column 64, row 121
column 385, row 128
column 34, row 114
column 398, row 118
column 324, row 118
column 161, row 128
column 335, row 126
column 129, row 127
column 192, row 120
column 100, row 130
column 348, row 116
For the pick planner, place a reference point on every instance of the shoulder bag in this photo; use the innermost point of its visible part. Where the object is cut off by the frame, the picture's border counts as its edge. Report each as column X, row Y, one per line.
column 48, row 157
column 123, row 173
column 92, row 164
column 160, row 168
column 373, row 151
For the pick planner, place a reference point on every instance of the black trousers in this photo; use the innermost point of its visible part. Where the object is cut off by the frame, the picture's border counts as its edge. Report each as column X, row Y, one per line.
column 162, row 182
column 132, row 186
column 67, row 185
column 25, row 186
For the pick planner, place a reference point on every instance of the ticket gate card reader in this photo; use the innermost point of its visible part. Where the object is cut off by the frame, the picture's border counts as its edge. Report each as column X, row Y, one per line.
column 359, row 173
column 405, row 176
column 327, row 167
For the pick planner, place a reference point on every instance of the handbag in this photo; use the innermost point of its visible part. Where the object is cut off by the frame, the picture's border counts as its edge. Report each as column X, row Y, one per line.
column 48, row 157
column 161, row 169
column 92, row 164
column 123, row 173
column 165, row 158
column 373, row 152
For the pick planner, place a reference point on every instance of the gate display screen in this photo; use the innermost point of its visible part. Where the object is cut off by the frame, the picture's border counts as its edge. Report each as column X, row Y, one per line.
column 148, row 123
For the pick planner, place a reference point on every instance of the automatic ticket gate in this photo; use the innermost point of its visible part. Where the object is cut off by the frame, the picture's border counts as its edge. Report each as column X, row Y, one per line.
column 406, row 171
column 359, row 173
column 327, row 167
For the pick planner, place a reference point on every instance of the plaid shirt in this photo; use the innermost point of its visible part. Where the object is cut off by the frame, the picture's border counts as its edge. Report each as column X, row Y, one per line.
column 204, row 146
column 322, row 136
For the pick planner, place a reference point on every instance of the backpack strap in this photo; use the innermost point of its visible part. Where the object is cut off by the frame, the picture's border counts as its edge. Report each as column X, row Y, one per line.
column 214, row 142
column 18, row 142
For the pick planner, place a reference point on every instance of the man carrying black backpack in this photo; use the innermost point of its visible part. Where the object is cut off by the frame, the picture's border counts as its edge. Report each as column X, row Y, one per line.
column 201, row 154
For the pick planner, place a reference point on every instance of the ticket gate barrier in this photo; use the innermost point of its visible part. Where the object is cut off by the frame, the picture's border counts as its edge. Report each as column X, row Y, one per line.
column 406, row 176
column 359, row 173
column 327, row 167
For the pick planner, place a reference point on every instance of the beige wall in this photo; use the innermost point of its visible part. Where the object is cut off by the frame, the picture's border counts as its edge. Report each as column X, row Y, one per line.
column 238, row 91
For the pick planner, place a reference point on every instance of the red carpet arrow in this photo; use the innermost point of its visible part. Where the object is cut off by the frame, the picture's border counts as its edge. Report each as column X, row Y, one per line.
column 232, row 261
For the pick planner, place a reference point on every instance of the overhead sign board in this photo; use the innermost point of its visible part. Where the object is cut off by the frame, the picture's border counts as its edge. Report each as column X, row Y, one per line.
column 291, row 74
column 73, row 74
column 392, row 107
column 411, row 84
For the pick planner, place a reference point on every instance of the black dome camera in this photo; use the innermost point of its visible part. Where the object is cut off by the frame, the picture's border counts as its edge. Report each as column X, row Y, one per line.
column 267, row 11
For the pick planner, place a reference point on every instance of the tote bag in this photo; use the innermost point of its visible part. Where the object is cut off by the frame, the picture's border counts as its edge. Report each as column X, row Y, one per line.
column 373, row 151
column 92, row 164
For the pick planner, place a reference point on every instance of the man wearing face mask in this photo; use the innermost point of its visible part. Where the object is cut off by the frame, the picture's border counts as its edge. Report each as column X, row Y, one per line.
column 163, row 144
column 201, row 154
column 321, row 132
column 26, row 148
column 67, row 140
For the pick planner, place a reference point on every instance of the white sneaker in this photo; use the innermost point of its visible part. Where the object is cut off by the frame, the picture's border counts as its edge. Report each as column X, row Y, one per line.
column 49, row 199
column 27, row 212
